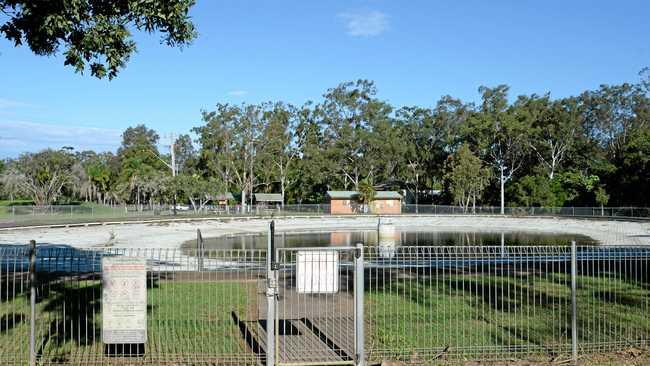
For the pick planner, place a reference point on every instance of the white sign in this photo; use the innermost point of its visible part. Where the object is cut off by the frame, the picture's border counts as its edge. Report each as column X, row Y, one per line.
column 317, row 272
column 124, row 300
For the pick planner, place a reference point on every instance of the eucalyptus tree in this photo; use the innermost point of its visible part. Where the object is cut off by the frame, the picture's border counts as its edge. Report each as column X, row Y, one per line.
column 467, row 177
column 216, row 137
column 11, row 182
column 499, row 135
column 553, row 130
column 613, row 112
column 185, row 154
column 386, row 151
column 309, row 175
column 415, row 124
column 346, row 114
column 139, row 160
column 281, row 143
column 230, row 141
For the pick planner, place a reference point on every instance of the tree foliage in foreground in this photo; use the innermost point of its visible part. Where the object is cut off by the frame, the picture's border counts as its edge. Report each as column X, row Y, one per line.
column 587, row 150
column 94, row 34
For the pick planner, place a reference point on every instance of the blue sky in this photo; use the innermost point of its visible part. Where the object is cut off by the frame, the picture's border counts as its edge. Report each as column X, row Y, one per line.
column 252, row 51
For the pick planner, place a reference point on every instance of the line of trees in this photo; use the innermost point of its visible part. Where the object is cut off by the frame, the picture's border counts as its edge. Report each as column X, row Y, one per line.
column 533, row 150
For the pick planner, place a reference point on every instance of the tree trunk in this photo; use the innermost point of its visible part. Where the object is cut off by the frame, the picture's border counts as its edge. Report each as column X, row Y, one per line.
column 192, row 203
column 502, row 192
column 473, row 204
column 282, row 189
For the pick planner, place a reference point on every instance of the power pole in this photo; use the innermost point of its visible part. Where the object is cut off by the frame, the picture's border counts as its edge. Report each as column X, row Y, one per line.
column 171, row 165
column 172, row 150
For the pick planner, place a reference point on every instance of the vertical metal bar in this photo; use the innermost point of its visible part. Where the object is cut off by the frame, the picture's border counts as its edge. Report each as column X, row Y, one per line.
column 32, row 302
column 358, row 307
column 199, row 249
column 270, row 297
column 574, row 317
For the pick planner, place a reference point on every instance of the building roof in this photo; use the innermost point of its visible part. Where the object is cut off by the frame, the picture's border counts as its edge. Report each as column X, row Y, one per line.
column 342, row 195
column 223, row 197
column 387, row 195
column 268, row 197
column 379, row 195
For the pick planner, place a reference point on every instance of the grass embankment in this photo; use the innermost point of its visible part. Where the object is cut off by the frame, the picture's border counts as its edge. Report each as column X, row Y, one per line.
column 92, row 212
column 191, row 319
column 474, row 315
column 412, row 316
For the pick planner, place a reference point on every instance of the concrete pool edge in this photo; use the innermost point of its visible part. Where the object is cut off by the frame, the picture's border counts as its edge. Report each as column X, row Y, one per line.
column 171, row 234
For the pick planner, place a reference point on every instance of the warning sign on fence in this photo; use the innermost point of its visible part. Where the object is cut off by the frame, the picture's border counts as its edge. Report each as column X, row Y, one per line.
column 124, row 300
column 317, row 272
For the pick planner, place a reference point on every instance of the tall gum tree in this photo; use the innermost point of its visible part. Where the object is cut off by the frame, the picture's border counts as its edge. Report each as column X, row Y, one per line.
column 347, row 114
column 499, row 135
column 281, row 143
column 554, row 125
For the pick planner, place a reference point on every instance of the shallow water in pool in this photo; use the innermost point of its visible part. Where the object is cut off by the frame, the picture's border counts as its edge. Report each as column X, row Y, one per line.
column 400, row 238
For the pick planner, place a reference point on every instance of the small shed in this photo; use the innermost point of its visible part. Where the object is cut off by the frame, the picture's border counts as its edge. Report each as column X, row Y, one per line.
column 386, row 202
column 344, row 202
column 222, row 199
column 268, row 199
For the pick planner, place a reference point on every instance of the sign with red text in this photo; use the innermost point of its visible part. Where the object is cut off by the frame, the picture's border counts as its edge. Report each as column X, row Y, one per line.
column 124, row 300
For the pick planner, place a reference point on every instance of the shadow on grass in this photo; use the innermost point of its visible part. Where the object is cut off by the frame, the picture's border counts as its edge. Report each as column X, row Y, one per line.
column 11, row 321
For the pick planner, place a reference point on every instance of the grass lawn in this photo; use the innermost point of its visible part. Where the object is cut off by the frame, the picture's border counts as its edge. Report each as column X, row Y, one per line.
column 414, row 315
column 184, row 319
column 92, row 212
column 476, row 314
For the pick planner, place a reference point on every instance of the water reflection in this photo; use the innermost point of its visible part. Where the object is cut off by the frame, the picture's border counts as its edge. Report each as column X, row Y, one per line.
column 391, row 237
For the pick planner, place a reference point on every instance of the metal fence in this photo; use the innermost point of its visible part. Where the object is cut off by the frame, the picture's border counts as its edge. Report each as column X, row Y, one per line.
column 195, row 309
column 612, row 212
column 417, row 304
column 12, row 215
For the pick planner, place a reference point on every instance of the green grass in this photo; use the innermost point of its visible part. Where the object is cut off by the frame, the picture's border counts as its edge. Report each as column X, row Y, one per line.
column 410, row 313
column 16, row 202
column 92, row 212
column 484, row 311
column 184, row 318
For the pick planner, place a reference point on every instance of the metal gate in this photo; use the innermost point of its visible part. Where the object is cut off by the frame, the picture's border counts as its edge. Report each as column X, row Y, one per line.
column 316, row 301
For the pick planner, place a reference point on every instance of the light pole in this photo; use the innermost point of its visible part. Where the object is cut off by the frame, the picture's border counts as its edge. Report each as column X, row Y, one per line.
column 414, row 165
column 172, row 165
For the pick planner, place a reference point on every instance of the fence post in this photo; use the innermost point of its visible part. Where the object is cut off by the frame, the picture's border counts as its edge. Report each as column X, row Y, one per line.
column 199, row 249
column 574, row 307
column 271, row 288
column 32, row 302
column 359, row 332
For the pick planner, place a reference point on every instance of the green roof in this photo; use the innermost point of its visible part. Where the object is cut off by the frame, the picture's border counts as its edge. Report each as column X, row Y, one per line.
column 268, row 197
column 344, row 195
column 379, row 195
column 387, row 195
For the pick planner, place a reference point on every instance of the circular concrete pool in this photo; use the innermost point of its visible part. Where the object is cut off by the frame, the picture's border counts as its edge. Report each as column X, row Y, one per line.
column 398, row 238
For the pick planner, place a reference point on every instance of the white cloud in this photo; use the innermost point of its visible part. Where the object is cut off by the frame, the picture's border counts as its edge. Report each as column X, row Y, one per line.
column 8, row 103
column 237, row 93
column 365, row 24
column 18, row 136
